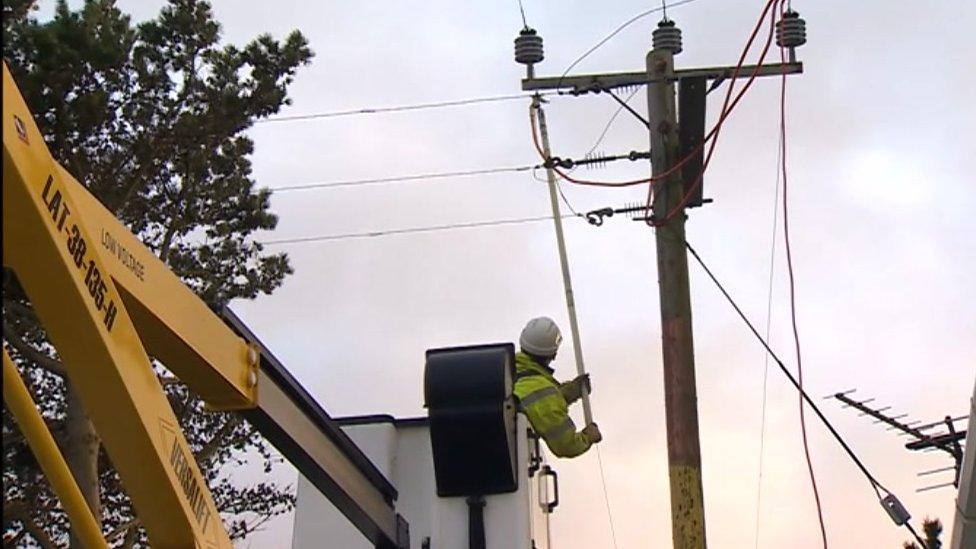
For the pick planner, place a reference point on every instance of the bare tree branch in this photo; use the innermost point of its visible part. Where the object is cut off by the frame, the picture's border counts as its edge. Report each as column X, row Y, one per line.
column 30, row 353
column 132, row 535
column 218, row 439
column 168, row 380
column 123, row 528
column 20, row 511
column 20, row 309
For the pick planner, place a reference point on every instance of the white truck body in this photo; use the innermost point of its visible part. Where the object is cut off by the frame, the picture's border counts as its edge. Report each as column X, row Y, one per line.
column 401, row 450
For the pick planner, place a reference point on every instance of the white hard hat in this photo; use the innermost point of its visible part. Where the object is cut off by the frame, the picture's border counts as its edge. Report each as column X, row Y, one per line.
column 540, row 337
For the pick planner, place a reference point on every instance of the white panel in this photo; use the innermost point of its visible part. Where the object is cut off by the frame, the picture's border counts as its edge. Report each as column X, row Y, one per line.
column 317, row 522
column 403, row 454
column 414, row 480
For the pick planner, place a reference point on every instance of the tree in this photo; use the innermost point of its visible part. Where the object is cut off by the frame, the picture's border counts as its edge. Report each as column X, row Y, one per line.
column 151, row 118
column 933, row 530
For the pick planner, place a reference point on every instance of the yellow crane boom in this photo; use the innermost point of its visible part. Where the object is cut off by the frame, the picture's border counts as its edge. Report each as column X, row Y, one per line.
column 108, row 303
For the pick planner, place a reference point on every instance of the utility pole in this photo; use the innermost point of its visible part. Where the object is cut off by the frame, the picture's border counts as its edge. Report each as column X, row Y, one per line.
column 669, row 139
column 964, row 524
column 680, row 394
column 563, row 261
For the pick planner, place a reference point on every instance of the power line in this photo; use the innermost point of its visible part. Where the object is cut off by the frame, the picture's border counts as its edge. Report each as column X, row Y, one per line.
column 769, row 317
column 427, row 229
column 789, row 268
column 618, row 29
column 606, row 498
column 711, row 136
column 441, row 175
column 610, row 122
column 726, row 110
column 397, row 178
column 559, row 188
column 625, row 105
column 875, row 485
column 400, row 108
column 525, row 24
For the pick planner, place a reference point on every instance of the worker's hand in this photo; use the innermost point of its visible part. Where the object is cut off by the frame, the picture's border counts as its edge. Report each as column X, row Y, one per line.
column 573, row 390
column 592, row 433
column 582, row 381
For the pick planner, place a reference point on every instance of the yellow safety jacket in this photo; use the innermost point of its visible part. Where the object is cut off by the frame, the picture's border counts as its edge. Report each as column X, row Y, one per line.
column 544, row 401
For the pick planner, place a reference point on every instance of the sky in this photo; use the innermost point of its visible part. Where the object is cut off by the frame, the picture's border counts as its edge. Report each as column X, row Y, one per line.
column 880, row 192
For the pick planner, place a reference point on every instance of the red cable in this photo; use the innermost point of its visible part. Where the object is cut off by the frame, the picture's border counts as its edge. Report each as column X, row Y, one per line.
column 726, row 110
column 542, row 154
column 713, row 137
column 789, row 265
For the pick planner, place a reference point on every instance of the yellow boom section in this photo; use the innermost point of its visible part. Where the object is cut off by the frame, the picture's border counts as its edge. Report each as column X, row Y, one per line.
column 21, row 405
column 59, row 261
column 175, row 325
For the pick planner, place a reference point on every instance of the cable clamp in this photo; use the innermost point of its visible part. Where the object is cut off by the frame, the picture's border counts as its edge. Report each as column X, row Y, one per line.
column 596, row 217
column 895, row 509
column 556, row 162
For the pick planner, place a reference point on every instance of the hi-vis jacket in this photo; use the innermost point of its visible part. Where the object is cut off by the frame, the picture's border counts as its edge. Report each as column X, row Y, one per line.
column 544, row 401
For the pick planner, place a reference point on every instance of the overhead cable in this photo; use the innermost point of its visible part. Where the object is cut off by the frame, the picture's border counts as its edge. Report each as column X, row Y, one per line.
column 400, row 108
column 624, row 105
column 427, row 229
column 789, row 268
column 616, row 31
column 588, row 160
column 525, row 24
column 606, row 497
column 769, row 323
column 613, row 117
column 727, row 108
column 889, row 497
column 397, row 178
column 589, row 153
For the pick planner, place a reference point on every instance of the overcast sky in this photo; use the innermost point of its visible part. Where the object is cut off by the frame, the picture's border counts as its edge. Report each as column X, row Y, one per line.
column 882, row 199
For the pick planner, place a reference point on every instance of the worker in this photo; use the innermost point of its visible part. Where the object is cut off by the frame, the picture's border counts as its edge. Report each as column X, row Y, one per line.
column 543, row 399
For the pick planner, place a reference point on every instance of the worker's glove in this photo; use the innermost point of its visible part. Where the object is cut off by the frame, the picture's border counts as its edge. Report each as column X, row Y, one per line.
column 573, row 390
column 592, row 433
column 583, row 381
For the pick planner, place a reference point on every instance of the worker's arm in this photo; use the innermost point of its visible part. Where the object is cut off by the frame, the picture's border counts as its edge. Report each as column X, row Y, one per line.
column 569, row 445
column 552, row 421
column 544, row 402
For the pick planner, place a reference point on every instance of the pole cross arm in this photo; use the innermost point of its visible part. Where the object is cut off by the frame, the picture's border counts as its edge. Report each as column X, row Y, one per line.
column 596, row 83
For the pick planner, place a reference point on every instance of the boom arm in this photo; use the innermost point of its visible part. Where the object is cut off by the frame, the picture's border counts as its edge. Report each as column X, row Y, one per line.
column 108, row 302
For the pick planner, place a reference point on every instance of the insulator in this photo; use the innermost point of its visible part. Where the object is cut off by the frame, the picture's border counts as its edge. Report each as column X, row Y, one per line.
column 667, row 37
column 635, row 209
column 593, row 160
column 791, row 30
column 528, row 47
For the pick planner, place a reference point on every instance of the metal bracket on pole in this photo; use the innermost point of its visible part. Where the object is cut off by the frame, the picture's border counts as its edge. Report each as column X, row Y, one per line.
column 596, row 83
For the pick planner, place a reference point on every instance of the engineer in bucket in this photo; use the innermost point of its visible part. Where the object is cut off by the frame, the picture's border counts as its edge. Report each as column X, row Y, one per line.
column 543, row 399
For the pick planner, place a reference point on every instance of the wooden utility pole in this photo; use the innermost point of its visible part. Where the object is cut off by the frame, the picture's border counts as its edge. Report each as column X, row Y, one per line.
column 680, row 396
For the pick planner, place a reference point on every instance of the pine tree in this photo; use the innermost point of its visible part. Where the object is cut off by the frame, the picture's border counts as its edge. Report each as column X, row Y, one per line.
column 151, row 118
